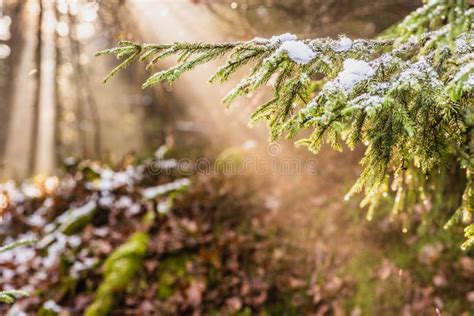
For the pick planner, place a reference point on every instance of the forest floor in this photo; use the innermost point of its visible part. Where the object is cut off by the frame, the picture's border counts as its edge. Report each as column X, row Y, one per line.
column 138, row 238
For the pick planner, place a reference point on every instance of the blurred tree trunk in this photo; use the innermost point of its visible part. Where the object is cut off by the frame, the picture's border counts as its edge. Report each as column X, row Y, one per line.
column 7, row 71
column 45, row 138
column 23, row 92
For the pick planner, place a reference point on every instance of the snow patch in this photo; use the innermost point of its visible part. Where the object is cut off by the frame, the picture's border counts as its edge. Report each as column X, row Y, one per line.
column 20, row 255
column 124, row 202
column 16, row 310
column 107, row 201
column 420, row 71
column 275, row 39
column 152, row 192
column 52, row 306
column 283, row 38
column 56, row 243
column 297, row 51
column 83, row 265
column 74, row 213
column 164, row 206
column 464, row 44
column 30, row 190
column 344, row 44
column 127, row 203
column 367, row 102
column 354, row 71
column 15, row 195
column 111, row 180
column 168, row 164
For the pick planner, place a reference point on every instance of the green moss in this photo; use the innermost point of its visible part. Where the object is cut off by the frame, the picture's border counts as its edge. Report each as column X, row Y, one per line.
column 171, row 270
column 283, row 306
column 244, row 312
column 119, row 269
column 46, row 312
column 77, row 220
column 374, row 296
column 361, row 269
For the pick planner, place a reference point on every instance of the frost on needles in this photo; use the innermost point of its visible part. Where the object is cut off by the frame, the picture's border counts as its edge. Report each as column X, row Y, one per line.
column 407, row 95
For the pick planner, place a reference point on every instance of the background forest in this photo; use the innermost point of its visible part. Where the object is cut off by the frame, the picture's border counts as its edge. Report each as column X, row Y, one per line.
column 162, row 202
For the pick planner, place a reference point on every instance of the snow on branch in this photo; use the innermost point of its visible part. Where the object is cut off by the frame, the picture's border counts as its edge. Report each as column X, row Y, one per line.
column 406, row 95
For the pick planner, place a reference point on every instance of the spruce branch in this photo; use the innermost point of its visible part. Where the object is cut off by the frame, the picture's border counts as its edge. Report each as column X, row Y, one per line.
column 10, row 296
column 15, row 244
column 407, row 95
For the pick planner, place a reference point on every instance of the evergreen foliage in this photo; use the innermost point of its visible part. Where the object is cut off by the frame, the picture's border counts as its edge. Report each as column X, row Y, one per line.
column 10, row 296
column 406, row 95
